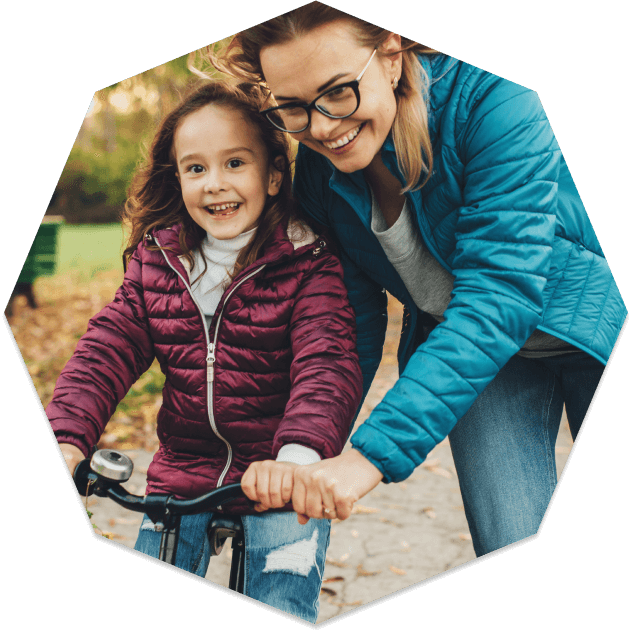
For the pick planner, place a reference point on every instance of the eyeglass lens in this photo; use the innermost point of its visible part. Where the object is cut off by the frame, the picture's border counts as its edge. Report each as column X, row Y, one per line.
column 337, row 103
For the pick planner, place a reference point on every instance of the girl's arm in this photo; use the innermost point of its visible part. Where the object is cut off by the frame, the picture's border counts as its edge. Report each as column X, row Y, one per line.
column 326, row 384
column 325, row 376
column 109, row 358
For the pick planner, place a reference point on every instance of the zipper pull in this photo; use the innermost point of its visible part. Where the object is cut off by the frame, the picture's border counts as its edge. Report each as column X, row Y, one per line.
column 210, row 361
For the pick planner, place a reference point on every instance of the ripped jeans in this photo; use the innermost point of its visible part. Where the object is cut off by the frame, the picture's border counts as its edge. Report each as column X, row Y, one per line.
column 284, row 562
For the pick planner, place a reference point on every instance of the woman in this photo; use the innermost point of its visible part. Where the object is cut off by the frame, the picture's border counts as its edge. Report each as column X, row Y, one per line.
column 444, row 185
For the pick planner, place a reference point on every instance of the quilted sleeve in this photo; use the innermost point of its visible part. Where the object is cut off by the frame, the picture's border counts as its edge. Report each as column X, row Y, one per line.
column 114, row 352
column 504, row 238
column 368, row 299
column 326, row 383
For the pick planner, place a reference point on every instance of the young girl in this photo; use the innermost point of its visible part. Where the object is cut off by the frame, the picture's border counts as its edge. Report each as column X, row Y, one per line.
column 245, row 309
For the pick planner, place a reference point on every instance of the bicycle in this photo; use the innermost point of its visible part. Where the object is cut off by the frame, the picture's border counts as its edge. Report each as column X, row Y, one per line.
column 103, row 475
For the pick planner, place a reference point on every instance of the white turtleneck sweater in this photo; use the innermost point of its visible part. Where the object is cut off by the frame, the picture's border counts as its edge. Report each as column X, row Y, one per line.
column 221, row 256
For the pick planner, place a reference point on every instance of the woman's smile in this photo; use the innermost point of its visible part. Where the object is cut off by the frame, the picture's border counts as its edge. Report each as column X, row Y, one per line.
column 344, row 142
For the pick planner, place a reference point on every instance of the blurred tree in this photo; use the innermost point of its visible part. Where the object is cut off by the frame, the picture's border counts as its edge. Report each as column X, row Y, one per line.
column 118, row 127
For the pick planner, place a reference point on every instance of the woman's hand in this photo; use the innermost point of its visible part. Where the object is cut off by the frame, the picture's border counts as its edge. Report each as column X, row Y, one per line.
column 334, row 484
column 269, row 483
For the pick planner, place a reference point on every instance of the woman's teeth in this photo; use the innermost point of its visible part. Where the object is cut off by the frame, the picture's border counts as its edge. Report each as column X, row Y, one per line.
column 224, row 209
column 349, row 136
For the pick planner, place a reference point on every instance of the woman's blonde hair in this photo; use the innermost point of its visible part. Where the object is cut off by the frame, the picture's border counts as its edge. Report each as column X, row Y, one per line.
column 240, row 58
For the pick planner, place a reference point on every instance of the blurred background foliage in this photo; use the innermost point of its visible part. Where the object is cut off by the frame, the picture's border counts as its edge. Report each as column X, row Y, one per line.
column 89, row 196
column 117, row 130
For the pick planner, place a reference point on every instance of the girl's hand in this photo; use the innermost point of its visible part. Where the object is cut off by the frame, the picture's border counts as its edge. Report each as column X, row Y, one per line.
column 269, row 483
column 334, row 484
column 72, row 455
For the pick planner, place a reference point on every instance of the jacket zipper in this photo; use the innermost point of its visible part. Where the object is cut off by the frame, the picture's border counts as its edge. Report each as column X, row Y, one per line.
column 210, row 356
column 210, row 372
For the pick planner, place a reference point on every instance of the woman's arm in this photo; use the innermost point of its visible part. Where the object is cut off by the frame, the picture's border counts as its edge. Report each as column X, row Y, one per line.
column 504, row 241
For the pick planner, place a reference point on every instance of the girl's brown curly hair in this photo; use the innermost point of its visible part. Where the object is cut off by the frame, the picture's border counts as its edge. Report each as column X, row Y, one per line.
column 155, row 197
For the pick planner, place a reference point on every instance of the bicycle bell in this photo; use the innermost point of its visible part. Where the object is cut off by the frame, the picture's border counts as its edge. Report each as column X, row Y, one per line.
column 112, row 465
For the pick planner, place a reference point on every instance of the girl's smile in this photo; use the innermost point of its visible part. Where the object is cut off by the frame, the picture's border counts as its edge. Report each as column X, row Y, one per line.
column 224, row 171
column 224, row 210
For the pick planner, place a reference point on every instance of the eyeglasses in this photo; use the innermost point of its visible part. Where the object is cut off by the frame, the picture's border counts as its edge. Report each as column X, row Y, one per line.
column 338, row 102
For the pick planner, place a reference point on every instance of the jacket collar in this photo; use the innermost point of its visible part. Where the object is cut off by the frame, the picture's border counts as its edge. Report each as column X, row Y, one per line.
column 285, row 242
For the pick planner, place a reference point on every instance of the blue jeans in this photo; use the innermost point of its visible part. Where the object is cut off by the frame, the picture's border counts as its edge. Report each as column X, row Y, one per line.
column 504, row 446
column 284, row 561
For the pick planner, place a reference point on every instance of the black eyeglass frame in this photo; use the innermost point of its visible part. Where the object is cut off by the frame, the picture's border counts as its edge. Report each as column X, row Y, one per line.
column 354, row 85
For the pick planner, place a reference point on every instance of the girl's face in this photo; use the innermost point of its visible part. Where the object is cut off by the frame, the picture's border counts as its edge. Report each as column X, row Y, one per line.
column 224, row 171
column 300, row 70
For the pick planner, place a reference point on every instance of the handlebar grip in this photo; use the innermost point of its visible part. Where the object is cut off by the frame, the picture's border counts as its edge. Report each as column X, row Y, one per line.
column 84, row 477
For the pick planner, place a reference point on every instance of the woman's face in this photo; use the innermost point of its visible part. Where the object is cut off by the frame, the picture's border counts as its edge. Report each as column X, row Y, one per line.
column 300, row 70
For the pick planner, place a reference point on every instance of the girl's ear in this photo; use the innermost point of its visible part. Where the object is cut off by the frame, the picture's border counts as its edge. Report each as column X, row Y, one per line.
column 276, row 176
column 178, row 175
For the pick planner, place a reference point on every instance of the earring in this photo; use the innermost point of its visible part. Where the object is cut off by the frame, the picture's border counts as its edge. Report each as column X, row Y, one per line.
column 394, row 83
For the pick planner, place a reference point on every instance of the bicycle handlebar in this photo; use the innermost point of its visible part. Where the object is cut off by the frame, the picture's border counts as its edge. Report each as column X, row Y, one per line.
column 156, row 506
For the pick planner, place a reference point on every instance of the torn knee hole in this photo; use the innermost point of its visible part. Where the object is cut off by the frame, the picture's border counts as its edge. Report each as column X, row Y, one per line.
column 296, row 558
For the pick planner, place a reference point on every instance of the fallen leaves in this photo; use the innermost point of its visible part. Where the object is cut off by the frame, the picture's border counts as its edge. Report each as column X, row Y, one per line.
column 333, row 579
column 337, row 563
column 397, row 571
column 361, row 572
column 429, row 512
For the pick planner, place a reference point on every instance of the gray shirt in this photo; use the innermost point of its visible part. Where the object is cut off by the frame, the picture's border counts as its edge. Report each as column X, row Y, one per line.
column 430, row 285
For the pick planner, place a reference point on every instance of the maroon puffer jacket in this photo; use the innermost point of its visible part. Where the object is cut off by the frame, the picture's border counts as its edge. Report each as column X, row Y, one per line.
column 279, row 365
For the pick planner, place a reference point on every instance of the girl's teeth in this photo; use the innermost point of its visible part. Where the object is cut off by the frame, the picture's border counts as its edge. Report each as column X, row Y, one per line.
column 231, row 206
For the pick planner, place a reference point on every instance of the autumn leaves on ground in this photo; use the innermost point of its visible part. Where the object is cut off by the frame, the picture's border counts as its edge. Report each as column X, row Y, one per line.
column 48, row 336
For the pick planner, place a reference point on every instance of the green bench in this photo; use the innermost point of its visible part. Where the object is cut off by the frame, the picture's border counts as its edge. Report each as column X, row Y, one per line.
column 41, row 260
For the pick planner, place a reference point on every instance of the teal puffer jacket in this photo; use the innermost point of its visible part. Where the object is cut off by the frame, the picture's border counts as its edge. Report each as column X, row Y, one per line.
column 502, row 214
